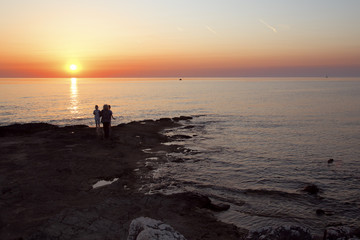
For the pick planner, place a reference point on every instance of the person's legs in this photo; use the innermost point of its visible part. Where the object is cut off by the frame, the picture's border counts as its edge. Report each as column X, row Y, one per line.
column 97, row 123
column 106, row 127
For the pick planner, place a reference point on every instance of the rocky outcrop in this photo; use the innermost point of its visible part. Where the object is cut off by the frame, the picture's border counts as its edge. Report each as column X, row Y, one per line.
column 201, row 201
column 23, row 129
column 144, row 228
column 79, row 224
column 79, row 126
column 300, row 233
column 341, row 232
column 330, row 160
column 311, row 189
column 182, row 118
column 47, row 176
column 164, row 120
column 280, row 233
column 180, row 137
column 320, row 212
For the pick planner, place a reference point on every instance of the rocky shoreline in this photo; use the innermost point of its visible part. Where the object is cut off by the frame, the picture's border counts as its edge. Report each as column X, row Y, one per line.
column 48, row 173
column 49, row 188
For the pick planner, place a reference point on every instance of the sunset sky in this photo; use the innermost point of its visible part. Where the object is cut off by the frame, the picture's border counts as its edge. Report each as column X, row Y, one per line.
column 168, row 38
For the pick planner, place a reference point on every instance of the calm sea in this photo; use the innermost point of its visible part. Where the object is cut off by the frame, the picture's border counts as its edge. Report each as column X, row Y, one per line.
column 256, row 143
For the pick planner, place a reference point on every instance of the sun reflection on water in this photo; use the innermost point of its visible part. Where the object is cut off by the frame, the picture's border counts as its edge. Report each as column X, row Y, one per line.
column 73, row 96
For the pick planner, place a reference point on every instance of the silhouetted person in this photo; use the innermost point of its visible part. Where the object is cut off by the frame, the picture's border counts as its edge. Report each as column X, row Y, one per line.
column 97, row 116
column 111, row 114
column 97, row 119
column 106, row 115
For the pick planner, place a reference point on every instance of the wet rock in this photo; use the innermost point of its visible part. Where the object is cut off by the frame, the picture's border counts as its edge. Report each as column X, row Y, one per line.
column 330, row 160
column 219, row 207
column 311, row 189
column 329, row 213
column 356, row 232
column 181, row 118
column 180, row 136
column 144, row 228
column 341, row 232
column 130, row 123
column 201, row 201
column 185, row 118
column 178, row 160
column 280, row 233
column 150, row 165
column 320, row 212
column 165, row 120
column 147, row 121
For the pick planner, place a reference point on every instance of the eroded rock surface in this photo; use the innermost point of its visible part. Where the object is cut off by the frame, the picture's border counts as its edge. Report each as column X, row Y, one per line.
column 280, row 233
column 144, row 228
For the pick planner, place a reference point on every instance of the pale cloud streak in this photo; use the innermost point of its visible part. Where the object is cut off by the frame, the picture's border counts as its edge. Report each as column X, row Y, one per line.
column 268, row 25
column 210, row 29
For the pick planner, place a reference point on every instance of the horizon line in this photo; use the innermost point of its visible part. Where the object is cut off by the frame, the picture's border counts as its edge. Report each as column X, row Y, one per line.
column 317, row 76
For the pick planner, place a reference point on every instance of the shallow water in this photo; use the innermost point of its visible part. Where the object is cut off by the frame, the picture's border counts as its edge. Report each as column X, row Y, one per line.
column 262, row 177
column 256, row 143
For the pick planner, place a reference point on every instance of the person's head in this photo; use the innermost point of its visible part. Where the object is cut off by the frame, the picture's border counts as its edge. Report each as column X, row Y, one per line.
column 106, row 107
column 109, row 107
column 96, row 107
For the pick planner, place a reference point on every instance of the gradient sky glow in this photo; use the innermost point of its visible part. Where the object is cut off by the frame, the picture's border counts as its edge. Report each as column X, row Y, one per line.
column 168, row 38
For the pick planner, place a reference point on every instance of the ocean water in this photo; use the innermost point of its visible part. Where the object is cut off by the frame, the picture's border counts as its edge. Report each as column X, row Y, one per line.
column 256, row 143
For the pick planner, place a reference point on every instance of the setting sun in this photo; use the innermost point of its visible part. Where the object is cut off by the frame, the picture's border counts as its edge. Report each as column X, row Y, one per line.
column 73, row 67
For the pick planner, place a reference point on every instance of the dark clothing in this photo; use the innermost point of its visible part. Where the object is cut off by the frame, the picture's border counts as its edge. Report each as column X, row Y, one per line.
column 106, row 116
column 106, row 120
column 106, row 126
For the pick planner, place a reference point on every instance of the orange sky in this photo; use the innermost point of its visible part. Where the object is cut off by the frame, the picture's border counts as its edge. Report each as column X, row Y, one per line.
column 159, row 39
